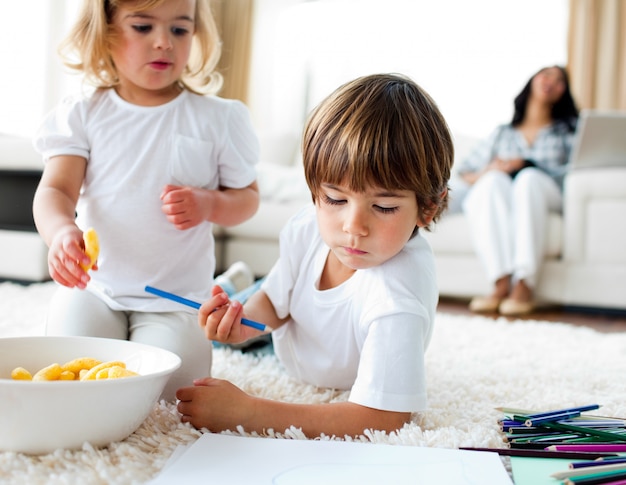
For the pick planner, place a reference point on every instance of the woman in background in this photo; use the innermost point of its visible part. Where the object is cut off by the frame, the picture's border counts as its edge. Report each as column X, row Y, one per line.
column 513, row 180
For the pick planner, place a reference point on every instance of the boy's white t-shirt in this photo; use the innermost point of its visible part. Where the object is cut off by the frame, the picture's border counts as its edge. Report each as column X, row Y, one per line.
column 132, row 152
column 369, row 334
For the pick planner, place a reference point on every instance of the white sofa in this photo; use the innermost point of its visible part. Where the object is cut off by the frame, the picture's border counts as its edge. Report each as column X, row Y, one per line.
column 585, row 258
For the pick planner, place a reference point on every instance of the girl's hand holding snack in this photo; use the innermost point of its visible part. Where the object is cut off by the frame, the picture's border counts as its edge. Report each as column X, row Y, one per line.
column 71, row 255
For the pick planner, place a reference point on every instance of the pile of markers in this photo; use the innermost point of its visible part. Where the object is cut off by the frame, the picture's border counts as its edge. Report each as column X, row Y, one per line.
column 566, row 431
column 555, row 428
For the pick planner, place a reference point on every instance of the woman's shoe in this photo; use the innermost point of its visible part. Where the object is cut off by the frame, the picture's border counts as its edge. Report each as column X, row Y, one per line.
column 510, row 307
column 485, row 304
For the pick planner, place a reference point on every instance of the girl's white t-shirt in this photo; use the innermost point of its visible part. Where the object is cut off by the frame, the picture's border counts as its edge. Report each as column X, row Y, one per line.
column 132, row 152
column 369, row 334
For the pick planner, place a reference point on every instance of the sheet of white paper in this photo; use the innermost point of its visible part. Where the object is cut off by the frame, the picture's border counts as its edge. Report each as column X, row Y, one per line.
column 220, row 459
column 176, row 454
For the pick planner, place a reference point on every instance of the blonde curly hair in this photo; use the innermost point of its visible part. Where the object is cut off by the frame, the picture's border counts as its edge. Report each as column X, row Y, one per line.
column 87, row 47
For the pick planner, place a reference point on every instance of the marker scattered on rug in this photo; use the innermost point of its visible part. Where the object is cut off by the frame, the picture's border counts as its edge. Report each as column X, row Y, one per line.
column 598, row 461
column 601, row 467
column 593, row 447
column 568, row 430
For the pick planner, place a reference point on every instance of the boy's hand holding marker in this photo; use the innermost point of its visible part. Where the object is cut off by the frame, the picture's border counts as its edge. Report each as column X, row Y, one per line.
column 197, row 306
column 220, row 319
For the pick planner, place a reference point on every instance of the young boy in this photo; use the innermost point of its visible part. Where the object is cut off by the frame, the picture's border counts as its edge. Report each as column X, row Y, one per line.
column 351, row 300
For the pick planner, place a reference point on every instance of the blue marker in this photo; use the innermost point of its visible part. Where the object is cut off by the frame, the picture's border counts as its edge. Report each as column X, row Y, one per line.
column 196, row 305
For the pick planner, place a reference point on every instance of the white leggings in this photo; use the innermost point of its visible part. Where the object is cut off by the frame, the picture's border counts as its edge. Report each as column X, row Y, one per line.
column 79, row 312
column 509, row 221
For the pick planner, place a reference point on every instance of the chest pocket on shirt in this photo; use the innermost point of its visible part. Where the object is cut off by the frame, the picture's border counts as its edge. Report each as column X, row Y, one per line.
column 193, row 162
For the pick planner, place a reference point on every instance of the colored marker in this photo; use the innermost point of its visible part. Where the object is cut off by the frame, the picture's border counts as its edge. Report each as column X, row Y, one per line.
column 578, row 472
column 606, row 435
column 598, row 461
column 597, row 448
column 546, row 418
column 530, row 414
column 196, row 305
column 597, row 478
column 573, row 455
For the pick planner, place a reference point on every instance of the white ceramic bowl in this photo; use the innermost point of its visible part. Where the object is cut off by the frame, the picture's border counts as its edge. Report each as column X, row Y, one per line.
column 40, row 417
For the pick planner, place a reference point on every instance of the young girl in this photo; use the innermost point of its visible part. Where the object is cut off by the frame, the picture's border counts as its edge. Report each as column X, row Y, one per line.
column 352, row 298
column 513, row 180
column 150, row 164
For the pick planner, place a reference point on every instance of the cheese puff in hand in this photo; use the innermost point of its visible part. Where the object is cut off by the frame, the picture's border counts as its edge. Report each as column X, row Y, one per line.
column 92, row 247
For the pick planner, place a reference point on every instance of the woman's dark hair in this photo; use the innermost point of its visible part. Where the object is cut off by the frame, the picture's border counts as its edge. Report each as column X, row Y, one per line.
column 564, row 109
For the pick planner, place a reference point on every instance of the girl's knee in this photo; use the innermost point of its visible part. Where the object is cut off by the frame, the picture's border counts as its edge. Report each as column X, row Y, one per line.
column 81, row 313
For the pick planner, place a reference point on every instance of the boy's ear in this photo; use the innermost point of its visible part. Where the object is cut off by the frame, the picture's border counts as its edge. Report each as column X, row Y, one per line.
column 429, row 214
column 426, row 219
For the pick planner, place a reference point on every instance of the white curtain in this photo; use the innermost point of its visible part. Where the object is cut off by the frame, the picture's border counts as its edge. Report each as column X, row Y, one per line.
column 473, row 57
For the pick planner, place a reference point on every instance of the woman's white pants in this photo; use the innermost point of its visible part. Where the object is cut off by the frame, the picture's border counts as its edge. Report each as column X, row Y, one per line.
column 509, row 221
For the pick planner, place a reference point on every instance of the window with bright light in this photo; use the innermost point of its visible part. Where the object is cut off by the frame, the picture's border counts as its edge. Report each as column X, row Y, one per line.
column 33, row 80
column 472, row 56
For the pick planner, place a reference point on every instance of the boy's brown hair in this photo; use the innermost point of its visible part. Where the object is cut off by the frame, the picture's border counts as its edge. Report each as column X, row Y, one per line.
column 381, row 130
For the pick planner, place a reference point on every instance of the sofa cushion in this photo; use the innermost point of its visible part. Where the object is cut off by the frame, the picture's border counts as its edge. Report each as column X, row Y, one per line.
column 279, row 148
column 267, row 222
column 595, row 205
column 278, row 183
column 452, row 235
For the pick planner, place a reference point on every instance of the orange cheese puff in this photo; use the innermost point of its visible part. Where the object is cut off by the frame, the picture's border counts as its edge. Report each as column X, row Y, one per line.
column 93, row 372
column 21, row 374
column 67, row 375
column 103, row 373
column 118, row 372
column 49, row 373
column 92, row 247
column 76, row 365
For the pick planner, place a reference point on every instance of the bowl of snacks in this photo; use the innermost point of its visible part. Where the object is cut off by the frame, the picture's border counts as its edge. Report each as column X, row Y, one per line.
column 60, row 392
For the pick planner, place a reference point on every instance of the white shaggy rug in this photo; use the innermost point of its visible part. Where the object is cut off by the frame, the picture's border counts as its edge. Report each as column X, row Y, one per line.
column 473, row 366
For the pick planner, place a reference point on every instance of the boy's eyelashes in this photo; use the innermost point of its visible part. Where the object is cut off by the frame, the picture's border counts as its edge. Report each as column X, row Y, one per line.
column 330, row 201
column 385, row 210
